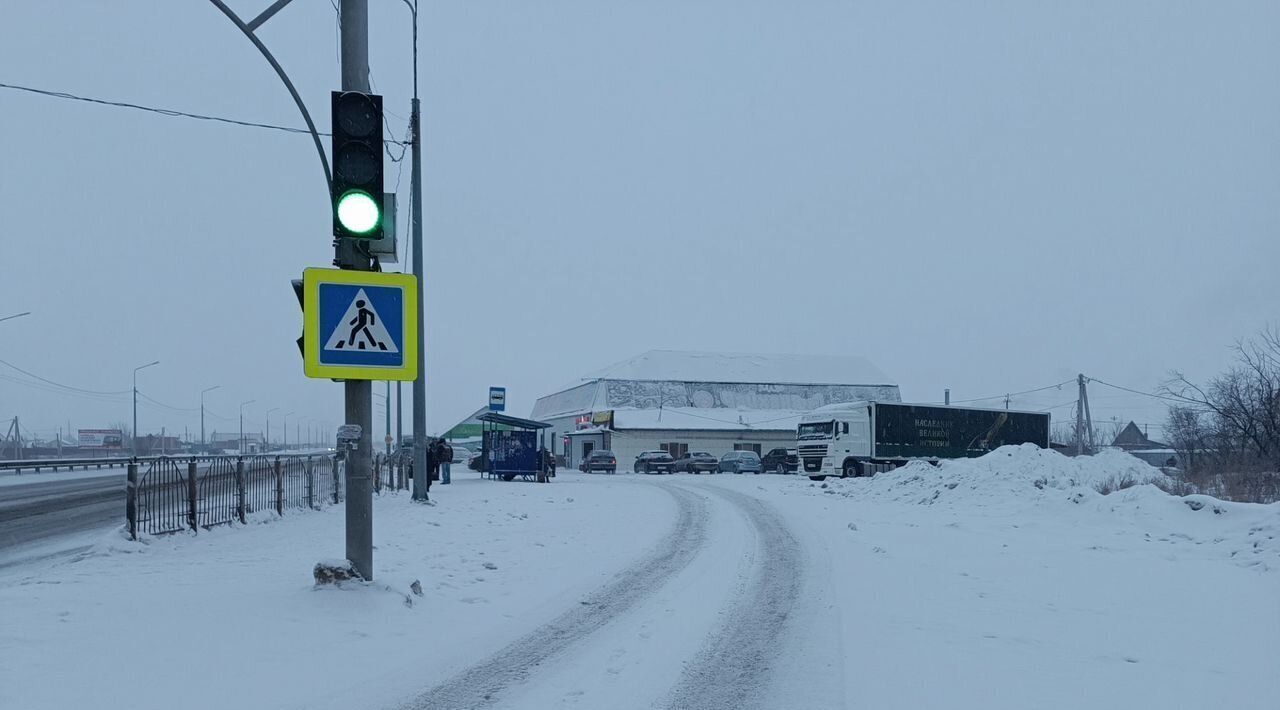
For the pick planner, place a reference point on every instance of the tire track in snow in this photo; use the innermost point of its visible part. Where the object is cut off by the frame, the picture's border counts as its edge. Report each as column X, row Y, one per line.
column 481, row 685
column 734, row 670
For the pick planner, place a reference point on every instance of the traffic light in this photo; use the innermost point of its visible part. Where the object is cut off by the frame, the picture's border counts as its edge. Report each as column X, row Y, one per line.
column 297, row 291
column 357, row 165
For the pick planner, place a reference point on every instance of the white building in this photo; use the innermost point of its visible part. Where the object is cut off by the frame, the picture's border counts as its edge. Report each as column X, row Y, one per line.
column 692, row 401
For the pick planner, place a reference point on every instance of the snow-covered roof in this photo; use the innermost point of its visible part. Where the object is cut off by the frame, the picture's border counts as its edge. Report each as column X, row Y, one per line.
column 705, row 419
column 682, row 366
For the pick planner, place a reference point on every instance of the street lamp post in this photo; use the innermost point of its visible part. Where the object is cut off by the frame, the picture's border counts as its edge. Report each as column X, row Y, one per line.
column 285, row 428
column 134, row 438
column 251, row 401
column 207, row 389
column 266, row 444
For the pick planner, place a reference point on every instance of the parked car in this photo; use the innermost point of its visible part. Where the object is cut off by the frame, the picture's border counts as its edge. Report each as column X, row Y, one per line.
column 599, row 460
column 741, row 462
column 461, row 454
column 697, row 462
column 654, row 462
column 780, row 460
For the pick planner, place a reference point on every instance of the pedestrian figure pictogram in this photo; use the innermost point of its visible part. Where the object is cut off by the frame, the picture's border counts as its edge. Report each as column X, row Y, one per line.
column 360, row 324
column 361, row 328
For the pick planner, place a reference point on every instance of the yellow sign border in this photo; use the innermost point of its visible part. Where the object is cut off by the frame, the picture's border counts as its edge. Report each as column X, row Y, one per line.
column 311, row 336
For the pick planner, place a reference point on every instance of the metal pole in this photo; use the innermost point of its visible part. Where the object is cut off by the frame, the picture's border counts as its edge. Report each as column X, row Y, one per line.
column 388, row 408
column 134, row 438
column 421, row 478
column 354, row 24
column 207, row 389
column 242, row 424
column 266, row 437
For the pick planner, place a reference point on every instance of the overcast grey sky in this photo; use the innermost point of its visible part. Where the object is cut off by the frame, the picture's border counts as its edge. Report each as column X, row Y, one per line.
column 986, row 196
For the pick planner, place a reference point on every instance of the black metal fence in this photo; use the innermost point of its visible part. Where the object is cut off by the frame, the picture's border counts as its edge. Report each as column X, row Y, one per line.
column 390, row 473
column 170, row 494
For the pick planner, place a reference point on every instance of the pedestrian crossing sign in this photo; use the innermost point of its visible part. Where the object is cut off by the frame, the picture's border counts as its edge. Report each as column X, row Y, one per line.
column 360, row 325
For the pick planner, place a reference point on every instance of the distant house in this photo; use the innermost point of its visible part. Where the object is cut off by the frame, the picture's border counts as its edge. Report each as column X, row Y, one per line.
column 230, row 442
column 1131, row 439
column 152, row 445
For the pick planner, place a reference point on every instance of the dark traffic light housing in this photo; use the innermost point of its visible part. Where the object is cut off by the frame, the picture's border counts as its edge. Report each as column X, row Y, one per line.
column 357, row 165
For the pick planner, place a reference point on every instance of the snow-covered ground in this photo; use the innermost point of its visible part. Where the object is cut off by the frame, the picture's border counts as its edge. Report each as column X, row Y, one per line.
column 1003, row 582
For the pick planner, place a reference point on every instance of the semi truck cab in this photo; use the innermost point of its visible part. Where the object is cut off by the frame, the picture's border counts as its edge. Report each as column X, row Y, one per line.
column 832, row 440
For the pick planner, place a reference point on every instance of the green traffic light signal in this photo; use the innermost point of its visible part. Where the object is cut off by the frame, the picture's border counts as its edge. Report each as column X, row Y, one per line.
column 358, row 212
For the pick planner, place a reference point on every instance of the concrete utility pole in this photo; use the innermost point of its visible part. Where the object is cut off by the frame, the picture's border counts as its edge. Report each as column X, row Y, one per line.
column 1084, row 420
column 354, row 24
column 207, row 389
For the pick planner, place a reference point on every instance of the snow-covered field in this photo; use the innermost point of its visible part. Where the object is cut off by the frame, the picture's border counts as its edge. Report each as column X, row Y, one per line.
column 1003, row 582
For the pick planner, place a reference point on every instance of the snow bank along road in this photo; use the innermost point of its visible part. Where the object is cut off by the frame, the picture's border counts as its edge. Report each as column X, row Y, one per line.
column 1007, row 582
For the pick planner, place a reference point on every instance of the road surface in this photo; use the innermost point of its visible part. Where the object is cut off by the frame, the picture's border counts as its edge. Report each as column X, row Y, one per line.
column 729, row 557
column 45, row 518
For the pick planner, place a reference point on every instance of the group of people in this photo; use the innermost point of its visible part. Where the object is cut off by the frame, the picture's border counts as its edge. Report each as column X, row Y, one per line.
column 440, row 458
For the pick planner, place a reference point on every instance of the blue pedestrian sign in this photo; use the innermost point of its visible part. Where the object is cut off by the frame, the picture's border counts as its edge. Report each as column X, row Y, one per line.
column 360, row 325
column 497, row 399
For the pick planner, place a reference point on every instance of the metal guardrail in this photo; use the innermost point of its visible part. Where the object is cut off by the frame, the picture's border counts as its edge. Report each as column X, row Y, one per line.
column 176, row 493
column 69, row 464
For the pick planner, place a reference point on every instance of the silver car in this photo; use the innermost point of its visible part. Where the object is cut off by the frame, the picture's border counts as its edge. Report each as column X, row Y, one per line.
column 741, row 462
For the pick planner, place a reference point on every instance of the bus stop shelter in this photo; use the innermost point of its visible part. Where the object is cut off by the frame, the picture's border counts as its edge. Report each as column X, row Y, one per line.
column 511, row 446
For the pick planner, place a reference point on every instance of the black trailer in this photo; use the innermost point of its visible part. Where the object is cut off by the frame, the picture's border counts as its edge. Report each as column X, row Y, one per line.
column 863, row 438
column 916, row 431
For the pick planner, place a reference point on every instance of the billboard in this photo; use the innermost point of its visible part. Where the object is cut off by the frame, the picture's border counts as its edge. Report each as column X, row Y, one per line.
column 101, row 438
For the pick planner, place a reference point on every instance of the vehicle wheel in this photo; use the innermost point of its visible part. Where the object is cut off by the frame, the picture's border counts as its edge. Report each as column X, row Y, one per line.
column 817, row 478
column 781, row 470
column 850, row 469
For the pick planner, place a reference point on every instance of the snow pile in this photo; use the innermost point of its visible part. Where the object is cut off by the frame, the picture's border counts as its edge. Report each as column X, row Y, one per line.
column 1010, row 474
column 1111, row 490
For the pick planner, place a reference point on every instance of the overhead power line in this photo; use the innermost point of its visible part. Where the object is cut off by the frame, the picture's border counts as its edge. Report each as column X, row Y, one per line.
column 1014, row 394
column 173, row 113
column 1181, row 400
column 59, row 384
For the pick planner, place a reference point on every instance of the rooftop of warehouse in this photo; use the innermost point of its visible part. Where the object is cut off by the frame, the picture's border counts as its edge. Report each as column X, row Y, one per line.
column 686, row 366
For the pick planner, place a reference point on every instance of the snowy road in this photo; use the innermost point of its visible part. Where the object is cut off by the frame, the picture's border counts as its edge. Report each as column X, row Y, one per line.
column 484, row 683
column 737, row 662
column 41, row 518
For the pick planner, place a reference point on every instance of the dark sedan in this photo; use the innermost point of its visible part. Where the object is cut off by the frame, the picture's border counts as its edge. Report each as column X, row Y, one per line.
column 780, row 460
column 697, row 462
column 654, row 462
column 599, row 460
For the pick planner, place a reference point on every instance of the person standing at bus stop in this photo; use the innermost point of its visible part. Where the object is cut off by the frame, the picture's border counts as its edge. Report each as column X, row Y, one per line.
column 446, row 458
